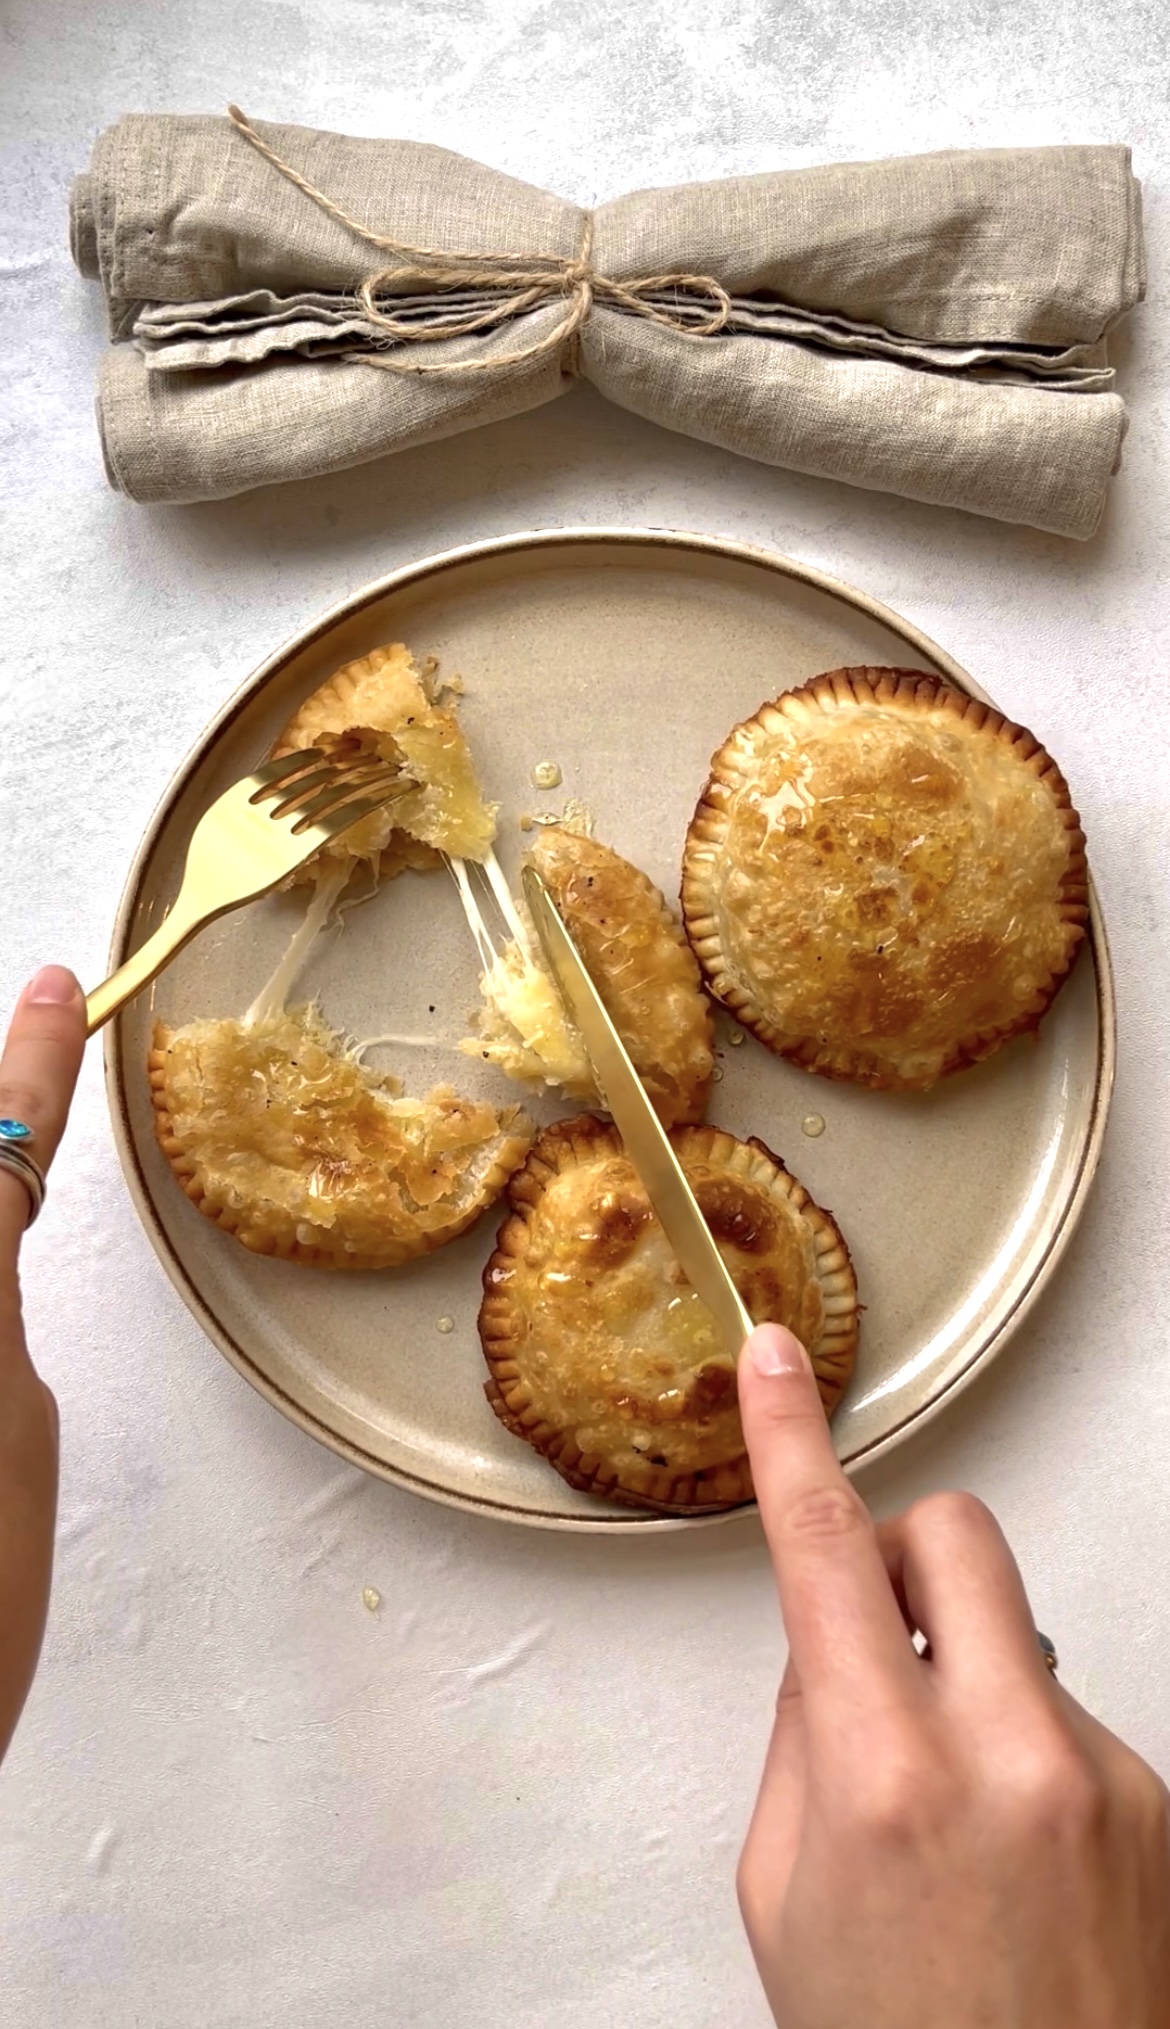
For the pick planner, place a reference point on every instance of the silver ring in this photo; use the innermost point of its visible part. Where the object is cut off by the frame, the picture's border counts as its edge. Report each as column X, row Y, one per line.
column 19, row 1163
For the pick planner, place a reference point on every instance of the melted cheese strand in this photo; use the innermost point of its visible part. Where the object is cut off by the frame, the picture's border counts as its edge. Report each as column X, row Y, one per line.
column 526, row 1021
column 508, row 909
column 399, row 1042
column 271, row 999
column 491, row 874
column 457, row 869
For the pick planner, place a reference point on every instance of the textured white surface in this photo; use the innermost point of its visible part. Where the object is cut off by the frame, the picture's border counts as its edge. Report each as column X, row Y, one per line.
column 513, row 1794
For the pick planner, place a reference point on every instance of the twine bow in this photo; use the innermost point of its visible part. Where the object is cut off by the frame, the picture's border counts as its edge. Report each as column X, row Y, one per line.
column 521, row 285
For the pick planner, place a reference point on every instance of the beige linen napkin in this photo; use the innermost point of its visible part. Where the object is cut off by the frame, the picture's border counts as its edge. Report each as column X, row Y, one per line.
column 933, row 326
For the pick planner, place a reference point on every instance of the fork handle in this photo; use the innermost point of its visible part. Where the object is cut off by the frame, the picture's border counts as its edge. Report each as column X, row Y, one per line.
column 175, row 930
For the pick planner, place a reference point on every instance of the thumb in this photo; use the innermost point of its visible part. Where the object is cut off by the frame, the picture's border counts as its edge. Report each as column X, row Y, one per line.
column 38, row 1069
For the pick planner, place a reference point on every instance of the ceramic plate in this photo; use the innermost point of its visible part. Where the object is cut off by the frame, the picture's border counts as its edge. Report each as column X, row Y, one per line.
column 625, row 657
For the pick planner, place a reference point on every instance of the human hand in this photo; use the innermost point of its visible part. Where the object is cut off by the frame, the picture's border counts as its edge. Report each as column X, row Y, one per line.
column 941, row 1844
column 38, row 1071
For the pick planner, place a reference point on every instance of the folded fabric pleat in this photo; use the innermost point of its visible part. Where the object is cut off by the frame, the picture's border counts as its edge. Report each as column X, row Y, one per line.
column 934, row 326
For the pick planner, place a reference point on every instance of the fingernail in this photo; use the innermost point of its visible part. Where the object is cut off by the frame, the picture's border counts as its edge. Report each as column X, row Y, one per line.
column 53, row 985
column 772, row 1349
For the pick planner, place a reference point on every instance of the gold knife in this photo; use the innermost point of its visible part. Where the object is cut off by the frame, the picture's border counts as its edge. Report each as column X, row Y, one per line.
column 641, row 1130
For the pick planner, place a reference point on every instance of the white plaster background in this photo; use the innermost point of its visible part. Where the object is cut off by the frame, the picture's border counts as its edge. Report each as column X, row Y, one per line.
column 515, row 1795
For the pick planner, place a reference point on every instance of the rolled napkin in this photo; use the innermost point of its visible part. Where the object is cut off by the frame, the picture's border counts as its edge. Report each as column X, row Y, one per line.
column 933, row 326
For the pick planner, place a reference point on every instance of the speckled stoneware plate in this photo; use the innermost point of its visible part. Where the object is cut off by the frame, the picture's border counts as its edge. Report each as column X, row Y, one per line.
column 625, row 656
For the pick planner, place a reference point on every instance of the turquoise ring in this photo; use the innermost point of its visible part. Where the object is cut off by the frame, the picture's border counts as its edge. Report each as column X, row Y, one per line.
column 15, row 1133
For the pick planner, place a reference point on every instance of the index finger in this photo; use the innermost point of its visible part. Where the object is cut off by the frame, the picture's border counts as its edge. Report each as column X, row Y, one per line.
column 845, row 1628
column 38, row 1070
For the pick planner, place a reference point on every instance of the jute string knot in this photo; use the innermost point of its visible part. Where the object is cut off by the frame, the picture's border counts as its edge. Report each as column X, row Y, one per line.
column 517, row 286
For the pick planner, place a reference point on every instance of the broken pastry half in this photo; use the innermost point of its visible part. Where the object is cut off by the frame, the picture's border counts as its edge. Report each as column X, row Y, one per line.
column 600, row 1354
column 643, row 967
column 288, row 1142
column 884, row 878
column 274, row 1128
column 384, row 706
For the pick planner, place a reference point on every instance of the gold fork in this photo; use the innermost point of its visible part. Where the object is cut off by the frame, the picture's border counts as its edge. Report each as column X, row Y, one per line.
column 256, row 834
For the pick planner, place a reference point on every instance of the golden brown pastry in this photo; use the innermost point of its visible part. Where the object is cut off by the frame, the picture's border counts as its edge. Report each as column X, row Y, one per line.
column 601, row 1355
column 884, row 879
column 643, row 966
column 294, row 1147
column 384, row 705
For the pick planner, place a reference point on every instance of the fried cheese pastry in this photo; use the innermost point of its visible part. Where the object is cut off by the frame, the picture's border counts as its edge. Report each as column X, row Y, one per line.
column 600, row 1354
column 645, row 970
column 884, row 879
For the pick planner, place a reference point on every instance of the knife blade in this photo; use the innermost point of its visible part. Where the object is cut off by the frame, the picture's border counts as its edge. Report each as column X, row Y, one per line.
column 645, row 1138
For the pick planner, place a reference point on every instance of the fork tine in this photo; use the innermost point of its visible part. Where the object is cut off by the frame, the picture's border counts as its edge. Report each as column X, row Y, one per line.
column 366, row 775
column 380, row 788
column 337, row 808
column 349, row 813
column 283, row 800
column 270, row 774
